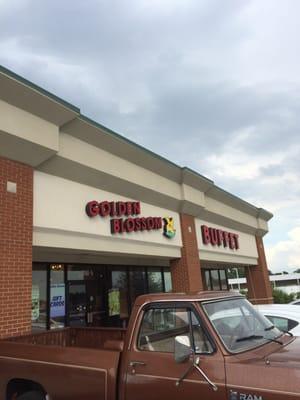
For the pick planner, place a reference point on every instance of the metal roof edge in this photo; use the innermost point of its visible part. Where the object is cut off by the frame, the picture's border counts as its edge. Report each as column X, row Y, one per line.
column 258, row 211
column 126, row 140
column 198, row 175
column 39, row 89
column 264, row 214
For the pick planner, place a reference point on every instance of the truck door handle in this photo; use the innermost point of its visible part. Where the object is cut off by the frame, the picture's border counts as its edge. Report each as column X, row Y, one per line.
column 133, row 364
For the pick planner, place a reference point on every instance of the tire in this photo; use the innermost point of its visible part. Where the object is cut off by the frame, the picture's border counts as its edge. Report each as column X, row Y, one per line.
column 32, row 395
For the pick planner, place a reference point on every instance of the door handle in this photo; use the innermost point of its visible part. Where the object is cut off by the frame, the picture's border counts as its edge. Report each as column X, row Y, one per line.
column 133, row 364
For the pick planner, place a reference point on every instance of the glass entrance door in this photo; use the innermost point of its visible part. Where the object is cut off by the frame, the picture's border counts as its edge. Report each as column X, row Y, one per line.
column 77, row 303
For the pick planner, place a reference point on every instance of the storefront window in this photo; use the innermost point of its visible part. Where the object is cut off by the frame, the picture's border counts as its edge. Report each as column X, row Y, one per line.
column 119, row 279
column 207, row 280
column 57, row 296
column 155, row 280
column 118, row 310
column 137, row 283
column 168, row 281
column 79, row 273
column 39, row 298
column 223, row 279
column 90, row 295
column 215, row 279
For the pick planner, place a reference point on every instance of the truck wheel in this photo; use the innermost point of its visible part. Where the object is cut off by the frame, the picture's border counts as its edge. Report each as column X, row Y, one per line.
column 32, row 395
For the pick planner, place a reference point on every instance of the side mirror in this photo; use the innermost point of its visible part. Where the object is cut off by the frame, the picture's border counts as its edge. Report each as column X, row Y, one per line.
column 182, row 348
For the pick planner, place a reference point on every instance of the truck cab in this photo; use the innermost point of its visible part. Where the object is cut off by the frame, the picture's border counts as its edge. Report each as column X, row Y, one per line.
column 213, row 344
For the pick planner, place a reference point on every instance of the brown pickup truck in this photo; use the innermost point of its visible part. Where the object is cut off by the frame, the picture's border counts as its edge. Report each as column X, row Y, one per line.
column 207, row 345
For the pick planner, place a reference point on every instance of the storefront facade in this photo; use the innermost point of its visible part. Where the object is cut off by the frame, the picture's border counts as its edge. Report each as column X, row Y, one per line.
column 90, row 220
column 89, row 294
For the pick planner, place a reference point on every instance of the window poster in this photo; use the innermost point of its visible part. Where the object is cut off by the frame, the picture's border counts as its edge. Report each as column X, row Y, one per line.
column 35, row 303
column 113, row 302
column 57, row 300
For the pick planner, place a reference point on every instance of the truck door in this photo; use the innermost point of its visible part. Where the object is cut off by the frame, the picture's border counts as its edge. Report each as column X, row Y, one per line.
column 153, row 373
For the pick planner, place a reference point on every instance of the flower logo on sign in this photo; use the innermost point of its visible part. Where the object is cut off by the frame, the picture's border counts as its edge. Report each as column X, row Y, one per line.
column 169, row 230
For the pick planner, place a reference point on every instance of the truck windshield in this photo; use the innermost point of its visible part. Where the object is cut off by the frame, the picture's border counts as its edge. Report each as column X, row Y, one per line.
column 239, row 325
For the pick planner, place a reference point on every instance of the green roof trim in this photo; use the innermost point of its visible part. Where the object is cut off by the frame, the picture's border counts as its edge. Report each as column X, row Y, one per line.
column 39, row 89
column 246, row 203
column 197, row 174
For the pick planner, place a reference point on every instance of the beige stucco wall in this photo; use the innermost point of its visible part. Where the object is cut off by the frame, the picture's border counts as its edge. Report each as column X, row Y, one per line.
column 24, row 125
column 77, row 150
column 219, row 208
column 60, row 221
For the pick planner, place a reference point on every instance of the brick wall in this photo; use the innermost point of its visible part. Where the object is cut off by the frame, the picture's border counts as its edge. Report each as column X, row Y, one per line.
column 186, row 272
column 258, row 281
column 16, row 211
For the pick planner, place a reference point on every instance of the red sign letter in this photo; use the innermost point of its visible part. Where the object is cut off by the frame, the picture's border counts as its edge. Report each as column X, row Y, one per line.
column 205, row 234
column 92, row 208
column 236, row 240
column 115, row 225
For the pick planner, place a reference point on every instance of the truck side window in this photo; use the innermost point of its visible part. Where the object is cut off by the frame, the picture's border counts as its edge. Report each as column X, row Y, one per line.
column 160, row 326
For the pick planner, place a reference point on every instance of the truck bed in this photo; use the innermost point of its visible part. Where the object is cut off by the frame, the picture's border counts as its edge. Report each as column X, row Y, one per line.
column 96, row 338
column 77, row 363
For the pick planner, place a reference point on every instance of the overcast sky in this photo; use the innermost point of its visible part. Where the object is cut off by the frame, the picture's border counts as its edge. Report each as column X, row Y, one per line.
column 210, row 84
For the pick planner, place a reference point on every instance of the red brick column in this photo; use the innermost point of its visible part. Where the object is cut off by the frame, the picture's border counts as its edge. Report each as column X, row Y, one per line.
column 258, row 281
column 16, row 211
column 186, row 271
